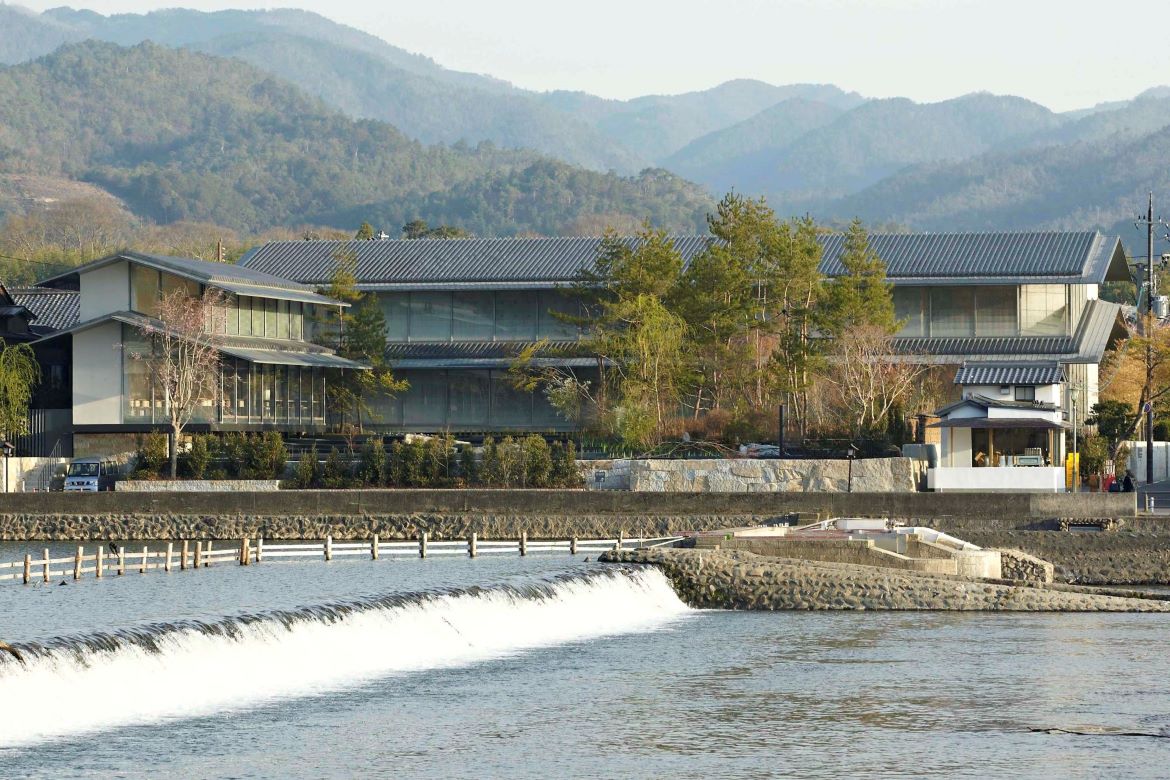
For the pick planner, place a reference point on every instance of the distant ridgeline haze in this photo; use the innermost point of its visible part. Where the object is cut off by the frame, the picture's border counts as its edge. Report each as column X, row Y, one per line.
column 258, row 150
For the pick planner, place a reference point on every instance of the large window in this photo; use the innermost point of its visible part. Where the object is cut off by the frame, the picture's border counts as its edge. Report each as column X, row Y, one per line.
column 1042, row 310
column 282, row 327
column 257, row 316
column 430, row 316
column 469, row 403
column 995, row 311
column 144, row 287
column 517, row 315
column 952, row 311
column 138, row 381
column 473, row 314
column 396, row 311
column 908, row 305
column 552, row 303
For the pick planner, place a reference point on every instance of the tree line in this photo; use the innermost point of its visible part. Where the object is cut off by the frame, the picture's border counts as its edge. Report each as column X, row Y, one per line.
column 708, row 349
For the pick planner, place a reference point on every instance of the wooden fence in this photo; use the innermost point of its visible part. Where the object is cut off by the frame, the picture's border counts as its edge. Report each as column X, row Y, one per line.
column 201, row 554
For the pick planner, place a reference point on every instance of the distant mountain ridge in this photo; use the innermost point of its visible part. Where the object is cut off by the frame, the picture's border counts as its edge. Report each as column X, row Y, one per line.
column 979, row 160
column 180, row 135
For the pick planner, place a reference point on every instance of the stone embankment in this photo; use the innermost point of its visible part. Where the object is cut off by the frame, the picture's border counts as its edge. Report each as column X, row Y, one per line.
column 742, row 580
column 102, row 527
column 1091, row 558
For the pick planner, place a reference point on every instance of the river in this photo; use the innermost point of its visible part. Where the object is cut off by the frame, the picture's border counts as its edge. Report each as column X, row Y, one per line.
column 549, row 666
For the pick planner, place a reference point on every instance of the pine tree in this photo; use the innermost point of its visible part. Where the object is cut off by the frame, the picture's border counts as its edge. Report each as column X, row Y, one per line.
column 365, row 232
column 861, row 295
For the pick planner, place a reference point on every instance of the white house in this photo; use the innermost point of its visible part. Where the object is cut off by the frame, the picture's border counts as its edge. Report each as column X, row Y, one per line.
column 1006, row 433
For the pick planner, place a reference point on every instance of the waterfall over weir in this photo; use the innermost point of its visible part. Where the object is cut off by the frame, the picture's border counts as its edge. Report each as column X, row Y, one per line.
column 74, row 685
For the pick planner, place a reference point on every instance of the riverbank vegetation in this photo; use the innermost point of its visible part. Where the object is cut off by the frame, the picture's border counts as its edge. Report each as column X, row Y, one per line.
column 708, row 350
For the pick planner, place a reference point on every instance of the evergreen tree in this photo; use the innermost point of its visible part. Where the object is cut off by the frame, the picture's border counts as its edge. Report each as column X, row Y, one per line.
column 538, row 463
column 307, row 472
column 19, row 375
column 365, row 232
column 468, row 468
column 861, row 295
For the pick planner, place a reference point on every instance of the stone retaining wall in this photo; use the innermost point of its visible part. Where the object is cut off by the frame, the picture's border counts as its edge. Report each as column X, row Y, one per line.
column 197, row 485
column 991, row 511
column 742, row 580
column 747, row 475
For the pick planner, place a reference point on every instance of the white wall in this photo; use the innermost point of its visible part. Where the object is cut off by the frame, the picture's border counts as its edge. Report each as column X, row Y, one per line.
column 960, row 441
column 97, row 375
column 105, row 290
column 1039, row 479
column 1049, row 394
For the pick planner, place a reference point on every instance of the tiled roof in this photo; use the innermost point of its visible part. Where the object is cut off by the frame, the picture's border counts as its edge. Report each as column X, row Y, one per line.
column 53, row 309
column 976, row 373
column 434, row 261
column 1022, row 257
column 483, row 354
column 987, row 345
column 955, row 258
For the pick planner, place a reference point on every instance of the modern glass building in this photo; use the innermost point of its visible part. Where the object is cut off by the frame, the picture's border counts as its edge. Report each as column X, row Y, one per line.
column 458, row 311
column 271, row 376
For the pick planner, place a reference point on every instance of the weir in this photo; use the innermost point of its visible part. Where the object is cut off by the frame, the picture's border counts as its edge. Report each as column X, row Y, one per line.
column 256, row 658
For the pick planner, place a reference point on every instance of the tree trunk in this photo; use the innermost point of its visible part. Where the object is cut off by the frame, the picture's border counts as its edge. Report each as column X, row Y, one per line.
column 173, row 446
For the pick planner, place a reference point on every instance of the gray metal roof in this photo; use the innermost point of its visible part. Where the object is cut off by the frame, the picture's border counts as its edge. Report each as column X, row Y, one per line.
column 53, row 309
column 1099, row 327
column 986, row 258
column 983, row 402
column 922, row 258
column 988, row 373
column 285, row 357
column 436, row 261
column 226, row 276
column 482, row 354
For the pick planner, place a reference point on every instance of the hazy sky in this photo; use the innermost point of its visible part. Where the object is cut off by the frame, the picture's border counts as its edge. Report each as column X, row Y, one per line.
column 1062, row 53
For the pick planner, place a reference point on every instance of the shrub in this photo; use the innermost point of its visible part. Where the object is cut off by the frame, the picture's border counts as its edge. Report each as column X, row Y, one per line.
column 468, row 468
column 334, row 473
column 153, row 456
column 270, row 456
column 437, row 461
column 413, row 472
column 564, row 464
column 307, row 472
column 235, row 452
column 373, row 468
column 511, row 463
column 537, row 462
column 397, row 464
column 490, row 467
column 198, row 458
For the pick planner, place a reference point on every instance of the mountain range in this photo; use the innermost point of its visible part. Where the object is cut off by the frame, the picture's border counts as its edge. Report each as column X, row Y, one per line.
column 977, row 161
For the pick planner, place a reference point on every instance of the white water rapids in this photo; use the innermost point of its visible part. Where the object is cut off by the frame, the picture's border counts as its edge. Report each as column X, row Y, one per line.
column 78, row 685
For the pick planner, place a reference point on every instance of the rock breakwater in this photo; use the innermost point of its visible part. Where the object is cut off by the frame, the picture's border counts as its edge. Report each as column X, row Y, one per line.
column 742, row 580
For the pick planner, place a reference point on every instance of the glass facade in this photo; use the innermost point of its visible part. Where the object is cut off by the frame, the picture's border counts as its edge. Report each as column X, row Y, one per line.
column 986, row 311
column 500, row 315
column 465, row 400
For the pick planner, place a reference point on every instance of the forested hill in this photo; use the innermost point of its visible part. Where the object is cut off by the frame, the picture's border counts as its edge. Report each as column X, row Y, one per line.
column 179, row 135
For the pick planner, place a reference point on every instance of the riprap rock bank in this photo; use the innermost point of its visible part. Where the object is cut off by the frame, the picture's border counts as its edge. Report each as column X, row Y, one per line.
column 735, row 579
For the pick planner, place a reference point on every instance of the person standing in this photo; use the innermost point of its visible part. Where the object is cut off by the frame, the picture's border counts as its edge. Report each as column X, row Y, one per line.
column 1127, row 482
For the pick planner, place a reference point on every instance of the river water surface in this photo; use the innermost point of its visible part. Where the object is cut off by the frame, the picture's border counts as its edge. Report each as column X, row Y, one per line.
column 549, row 666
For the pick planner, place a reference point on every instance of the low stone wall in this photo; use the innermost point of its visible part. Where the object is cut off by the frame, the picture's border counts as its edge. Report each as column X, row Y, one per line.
column 742, row 580
column 1020, row 566
column 197, row 485
column 749, row 475
column 97, row 528
column 860, row 552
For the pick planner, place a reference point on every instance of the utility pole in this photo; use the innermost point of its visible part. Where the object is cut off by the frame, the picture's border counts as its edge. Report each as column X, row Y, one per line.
column 1147, row 332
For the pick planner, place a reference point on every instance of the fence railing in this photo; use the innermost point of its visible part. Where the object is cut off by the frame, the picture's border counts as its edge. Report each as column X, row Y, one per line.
column 201, row 554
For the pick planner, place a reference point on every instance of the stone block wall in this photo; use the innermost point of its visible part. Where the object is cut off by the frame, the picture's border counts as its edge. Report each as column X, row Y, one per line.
column 874, row 475
column 1022, row 567
column 197, row 485
column 615, row 474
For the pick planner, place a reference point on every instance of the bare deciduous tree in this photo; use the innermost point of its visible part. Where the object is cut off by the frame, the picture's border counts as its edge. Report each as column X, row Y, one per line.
column 183, row 362
column 866, row 380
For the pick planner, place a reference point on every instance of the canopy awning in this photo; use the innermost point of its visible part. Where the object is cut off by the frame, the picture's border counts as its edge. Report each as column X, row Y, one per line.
column 1000, row 423
column 282, row 357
